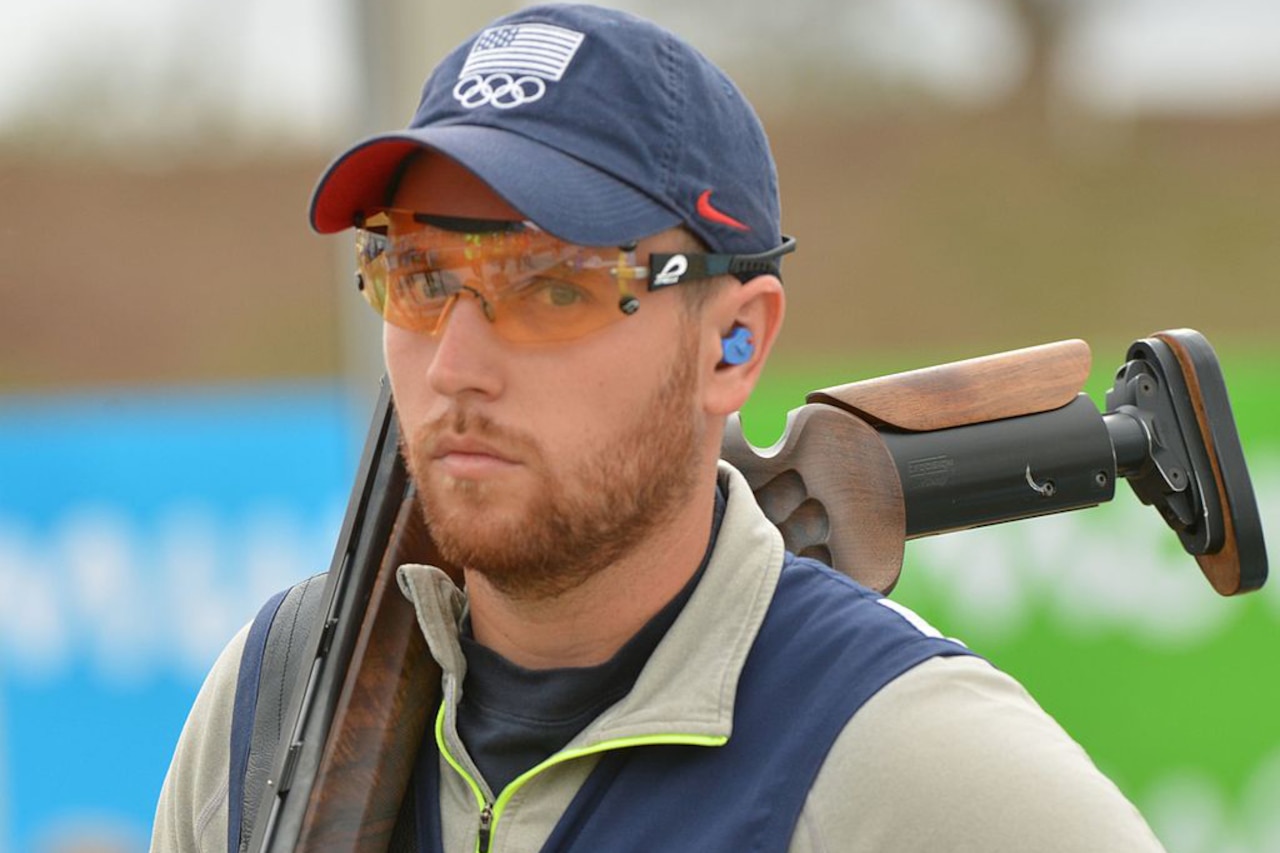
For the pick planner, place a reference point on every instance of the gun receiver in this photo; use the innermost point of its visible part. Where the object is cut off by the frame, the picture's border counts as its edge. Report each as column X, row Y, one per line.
column 1005, row 437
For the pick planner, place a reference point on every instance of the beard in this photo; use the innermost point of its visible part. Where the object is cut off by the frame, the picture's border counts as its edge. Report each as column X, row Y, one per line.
column 580, row 517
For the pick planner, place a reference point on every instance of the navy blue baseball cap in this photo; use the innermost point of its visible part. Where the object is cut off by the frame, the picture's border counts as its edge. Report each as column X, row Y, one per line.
column 599, row 126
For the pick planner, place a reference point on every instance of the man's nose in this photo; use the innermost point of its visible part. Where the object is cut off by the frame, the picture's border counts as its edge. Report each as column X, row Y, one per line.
column 468, row 350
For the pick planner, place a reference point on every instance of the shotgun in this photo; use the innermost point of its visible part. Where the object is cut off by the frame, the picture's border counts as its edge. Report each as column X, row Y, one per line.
column 860, row 469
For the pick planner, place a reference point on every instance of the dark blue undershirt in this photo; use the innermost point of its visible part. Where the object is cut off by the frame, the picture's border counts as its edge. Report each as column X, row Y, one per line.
column 512, row 718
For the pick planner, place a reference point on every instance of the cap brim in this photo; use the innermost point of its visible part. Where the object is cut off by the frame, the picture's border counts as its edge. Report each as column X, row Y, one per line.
column 563, row 195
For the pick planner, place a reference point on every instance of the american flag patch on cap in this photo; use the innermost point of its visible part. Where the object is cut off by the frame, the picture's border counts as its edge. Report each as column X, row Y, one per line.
column 537, row 49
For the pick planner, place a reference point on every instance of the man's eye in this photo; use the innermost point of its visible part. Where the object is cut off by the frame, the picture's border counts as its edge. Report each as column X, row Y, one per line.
column 555, row 293
column 425, row 285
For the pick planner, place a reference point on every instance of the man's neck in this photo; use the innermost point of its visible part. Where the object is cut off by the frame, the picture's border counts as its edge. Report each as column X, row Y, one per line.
column 586, row 625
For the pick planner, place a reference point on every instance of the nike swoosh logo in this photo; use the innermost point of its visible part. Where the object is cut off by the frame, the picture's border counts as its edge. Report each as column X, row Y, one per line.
column 706, row 211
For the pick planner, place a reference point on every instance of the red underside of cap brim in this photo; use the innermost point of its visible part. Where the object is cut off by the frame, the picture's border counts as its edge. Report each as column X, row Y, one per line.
column 566, row 196
column 359, row 181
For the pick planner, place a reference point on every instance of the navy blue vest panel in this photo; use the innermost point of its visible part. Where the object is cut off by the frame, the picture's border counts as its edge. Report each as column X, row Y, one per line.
column 826, row 646
column 242, row 715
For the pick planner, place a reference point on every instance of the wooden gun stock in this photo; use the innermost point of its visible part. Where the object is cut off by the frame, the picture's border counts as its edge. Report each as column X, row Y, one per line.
column 860, row 469
column 1006, row 437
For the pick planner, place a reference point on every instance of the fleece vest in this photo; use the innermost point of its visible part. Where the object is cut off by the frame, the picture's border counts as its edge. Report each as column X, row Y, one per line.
column 826, row 646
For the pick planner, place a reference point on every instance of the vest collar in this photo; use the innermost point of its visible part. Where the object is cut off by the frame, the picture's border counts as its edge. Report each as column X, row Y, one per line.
column 689, row 684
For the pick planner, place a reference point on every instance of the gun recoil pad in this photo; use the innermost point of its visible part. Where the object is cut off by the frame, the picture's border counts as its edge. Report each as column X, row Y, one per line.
column 1176, row 443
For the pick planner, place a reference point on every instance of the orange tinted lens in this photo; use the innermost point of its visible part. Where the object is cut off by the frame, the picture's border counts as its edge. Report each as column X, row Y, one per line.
column 565, row 302
column 533, row 286
column 371, row 267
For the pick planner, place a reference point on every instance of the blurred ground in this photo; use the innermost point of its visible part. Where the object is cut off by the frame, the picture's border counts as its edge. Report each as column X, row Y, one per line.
column 935, row 236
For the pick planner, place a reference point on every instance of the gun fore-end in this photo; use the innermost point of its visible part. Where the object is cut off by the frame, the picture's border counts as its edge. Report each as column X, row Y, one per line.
column 359, row 712
column 391, row 688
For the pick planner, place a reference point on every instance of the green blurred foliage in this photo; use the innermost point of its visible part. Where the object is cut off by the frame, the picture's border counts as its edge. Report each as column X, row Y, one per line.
column 1171, row 704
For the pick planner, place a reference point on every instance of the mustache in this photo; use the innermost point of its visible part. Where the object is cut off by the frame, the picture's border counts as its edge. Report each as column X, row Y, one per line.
column 463, row 423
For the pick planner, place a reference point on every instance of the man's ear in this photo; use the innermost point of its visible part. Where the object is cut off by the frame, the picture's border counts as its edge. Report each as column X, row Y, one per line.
column 745, row 320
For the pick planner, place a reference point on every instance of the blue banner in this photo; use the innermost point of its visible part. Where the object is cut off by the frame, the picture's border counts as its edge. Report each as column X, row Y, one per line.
column 138, row 533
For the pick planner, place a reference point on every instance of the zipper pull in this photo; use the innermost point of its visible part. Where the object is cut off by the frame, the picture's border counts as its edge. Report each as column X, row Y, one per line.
column 486, row 826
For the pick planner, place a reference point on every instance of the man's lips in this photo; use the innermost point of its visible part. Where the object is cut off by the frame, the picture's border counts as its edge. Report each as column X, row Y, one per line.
column 464, row 456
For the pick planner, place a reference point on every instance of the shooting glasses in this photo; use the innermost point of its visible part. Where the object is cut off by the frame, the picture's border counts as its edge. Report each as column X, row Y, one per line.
column 535, row 288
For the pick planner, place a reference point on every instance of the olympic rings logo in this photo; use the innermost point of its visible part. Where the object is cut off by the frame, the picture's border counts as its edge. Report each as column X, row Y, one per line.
column 501, row 90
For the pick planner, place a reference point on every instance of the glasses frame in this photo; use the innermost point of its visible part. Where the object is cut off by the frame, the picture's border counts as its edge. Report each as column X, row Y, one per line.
column 663, row 269
column 671, row 268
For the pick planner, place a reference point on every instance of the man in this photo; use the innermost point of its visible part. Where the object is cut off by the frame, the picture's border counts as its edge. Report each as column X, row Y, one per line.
column 575, row 247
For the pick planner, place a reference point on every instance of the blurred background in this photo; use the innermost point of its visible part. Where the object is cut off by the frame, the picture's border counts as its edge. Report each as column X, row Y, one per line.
column 186, row 373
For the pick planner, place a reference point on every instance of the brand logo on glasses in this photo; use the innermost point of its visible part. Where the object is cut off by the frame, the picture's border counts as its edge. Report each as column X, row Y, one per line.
column 676, row 266
column 511, row 66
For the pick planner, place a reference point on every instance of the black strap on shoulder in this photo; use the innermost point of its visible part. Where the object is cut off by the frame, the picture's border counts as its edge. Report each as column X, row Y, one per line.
column 242, row 715
column 273, row 657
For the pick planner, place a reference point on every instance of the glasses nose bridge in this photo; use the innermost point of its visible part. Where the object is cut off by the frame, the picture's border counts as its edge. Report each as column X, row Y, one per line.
column 486, row 299
column 485, row 304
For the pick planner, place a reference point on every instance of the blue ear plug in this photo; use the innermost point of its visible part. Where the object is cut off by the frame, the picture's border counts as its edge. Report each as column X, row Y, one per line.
column 737, row 346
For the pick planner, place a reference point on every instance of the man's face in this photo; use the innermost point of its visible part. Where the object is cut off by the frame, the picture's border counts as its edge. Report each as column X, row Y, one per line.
column 540, row 464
